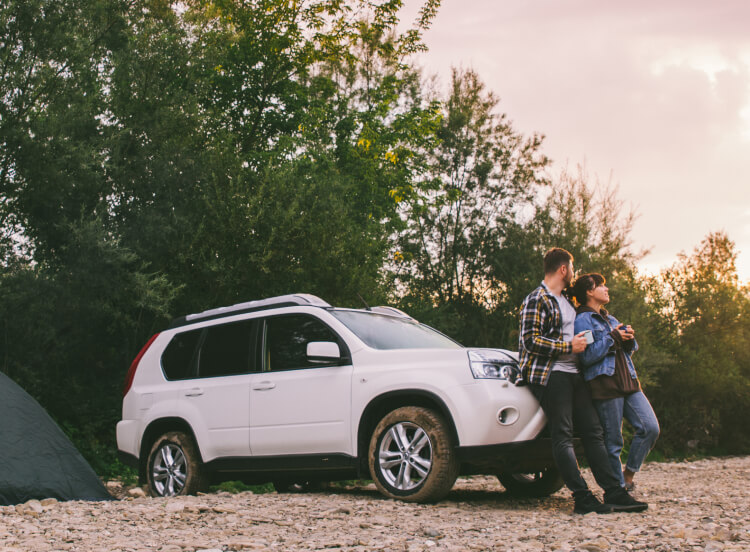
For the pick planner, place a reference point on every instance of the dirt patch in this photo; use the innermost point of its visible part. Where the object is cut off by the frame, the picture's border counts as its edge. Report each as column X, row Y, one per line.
column 697, row 506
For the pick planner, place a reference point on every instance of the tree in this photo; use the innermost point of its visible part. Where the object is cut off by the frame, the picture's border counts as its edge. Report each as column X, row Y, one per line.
column 478, row 179
column 50, row 97
column 158, row 158
column 699, row 309
column 69, row 331
column 576, row 213
column 333, row 141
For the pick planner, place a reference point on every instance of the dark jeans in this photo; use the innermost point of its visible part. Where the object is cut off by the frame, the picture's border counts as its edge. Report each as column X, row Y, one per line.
column 566, row 402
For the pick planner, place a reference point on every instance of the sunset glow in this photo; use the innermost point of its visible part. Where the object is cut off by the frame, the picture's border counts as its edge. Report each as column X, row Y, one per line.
column 655, row 96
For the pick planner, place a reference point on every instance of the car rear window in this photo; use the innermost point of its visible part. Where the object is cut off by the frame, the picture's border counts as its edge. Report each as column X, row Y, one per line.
column 220, row 350
column 177, row 360
column 227, row 350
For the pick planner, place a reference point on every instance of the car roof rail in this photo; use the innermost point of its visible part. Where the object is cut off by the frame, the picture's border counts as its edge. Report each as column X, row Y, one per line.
column 393, row 311
column 294, row 300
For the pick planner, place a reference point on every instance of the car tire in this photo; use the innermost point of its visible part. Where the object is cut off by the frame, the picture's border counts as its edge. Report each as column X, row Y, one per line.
column 532, row 485
column 174, row 466
column 412, row 455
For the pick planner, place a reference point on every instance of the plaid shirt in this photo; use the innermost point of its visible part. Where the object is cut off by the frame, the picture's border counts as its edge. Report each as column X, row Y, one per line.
column 540, row 339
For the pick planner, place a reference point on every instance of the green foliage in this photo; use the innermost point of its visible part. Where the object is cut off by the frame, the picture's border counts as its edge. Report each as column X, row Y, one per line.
column 236, row 487
column 475, row 183
column 51, row 93
column 699, row 311
column 158, row 159
column 69, row 329
column 588, row 219
column 350, row 483
column 100, row 453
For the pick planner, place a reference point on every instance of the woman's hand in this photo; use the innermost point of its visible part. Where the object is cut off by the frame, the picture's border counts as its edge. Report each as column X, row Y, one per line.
column 626, row 332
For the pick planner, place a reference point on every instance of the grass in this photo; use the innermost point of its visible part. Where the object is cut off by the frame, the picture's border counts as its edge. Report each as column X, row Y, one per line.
column 235, row 487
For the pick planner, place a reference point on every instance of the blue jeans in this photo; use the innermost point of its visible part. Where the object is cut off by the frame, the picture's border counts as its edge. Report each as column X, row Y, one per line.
column 637, row 410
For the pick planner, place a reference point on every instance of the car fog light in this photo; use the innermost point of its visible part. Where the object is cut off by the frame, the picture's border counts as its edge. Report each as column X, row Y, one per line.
column 507, row 415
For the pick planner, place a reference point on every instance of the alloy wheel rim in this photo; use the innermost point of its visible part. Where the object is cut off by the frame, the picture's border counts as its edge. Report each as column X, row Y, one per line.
column 405, row 456
column 169, row 471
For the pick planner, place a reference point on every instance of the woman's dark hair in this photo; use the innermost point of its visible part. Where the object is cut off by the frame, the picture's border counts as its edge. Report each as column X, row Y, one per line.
column 584, row 283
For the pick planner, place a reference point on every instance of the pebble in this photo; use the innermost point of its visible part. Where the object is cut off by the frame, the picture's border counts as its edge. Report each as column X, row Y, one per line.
column 684, row 513
column 33, row 506
column 136, row 492
column 174, row 506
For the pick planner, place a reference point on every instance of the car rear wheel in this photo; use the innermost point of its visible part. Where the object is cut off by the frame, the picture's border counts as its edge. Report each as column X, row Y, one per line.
column 532, row 485
column 411, row 455
column 174, row 466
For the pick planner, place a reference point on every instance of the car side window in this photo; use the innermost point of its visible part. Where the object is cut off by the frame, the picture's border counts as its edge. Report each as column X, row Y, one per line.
column 228, row 350
column 177, row 360
column 286, row 340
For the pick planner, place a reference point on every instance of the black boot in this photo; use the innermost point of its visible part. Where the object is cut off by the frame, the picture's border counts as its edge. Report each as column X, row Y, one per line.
column 589, row 503
column 620, row 501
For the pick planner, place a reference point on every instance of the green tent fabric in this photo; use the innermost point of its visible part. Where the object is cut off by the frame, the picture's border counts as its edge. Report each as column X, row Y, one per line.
column 37, row 460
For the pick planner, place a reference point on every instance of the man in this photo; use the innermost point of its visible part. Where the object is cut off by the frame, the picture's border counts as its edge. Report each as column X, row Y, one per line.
column 547, row 349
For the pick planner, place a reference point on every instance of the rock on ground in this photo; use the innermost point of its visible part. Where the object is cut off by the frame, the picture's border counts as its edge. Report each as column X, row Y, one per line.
column 697, row 506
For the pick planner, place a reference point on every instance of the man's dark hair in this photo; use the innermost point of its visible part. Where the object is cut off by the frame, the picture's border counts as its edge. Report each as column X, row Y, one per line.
column 555, row 258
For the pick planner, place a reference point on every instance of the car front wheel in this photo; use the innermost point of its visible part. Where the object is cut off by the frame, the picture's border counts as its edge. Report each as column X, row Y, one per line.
column 411, row 455
column 174, row 466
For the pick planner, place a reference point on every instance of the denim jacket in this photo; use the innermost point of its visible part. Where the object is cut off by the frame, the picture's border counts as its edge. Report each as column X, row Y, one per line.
column 598, row 358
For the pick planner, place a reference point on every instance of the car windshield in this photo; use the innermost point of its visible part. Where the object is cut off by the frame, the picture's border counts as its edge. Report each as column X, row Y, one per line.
column 390, row 332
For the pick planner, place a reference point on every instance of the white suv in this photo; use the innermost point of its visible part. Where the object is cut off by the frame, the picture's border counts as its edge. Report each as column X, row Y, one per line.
column 292, row 390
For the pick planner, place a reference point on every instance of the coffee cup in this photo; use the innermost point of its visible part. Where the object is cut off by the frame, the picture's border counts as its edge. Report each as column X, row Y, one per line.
column 589, row 335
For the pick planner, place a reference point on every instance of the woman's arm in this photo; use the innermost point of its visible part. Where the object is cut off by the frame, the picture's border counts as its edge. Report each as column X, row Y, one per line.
column 630, row 346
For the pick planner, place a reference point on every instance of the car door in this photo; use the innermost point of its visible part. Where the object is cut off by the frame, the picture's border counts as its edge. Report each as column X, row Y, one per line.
column 217, row 399
column 299, row 406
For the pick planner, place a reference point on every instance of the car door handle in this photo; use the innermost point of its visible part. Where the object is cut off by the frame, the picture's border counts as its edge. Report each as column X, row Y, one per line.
column 264, row 386
column 194, row 392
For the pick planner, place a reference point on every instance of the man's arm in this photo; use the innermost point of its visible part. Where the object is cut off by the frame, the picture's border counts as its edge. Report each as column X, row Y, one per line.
column 533, row 314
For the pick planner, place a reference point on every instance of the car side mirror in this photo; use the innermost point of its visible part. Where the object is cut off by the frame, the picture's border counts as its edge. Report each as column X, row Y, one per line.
column 323, row 351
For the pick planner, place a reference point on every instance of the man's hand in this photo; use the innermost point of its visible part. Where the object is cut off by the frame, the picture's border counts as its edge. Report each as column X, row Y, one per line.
column 579, row 343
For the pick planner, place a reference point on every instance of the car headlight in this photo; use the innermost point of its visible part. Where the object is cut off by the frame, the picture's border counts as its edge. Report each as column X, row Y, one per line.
column 493, row 364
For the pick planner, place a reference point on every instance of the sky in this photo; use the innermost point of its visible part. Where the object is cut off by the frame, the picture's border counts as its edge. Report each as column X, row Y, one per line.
column 653, row 97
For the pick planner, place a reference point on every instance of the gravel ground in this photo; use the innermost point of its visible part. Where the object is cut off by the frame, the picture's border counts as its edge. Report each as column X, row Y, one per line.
column 701, row 506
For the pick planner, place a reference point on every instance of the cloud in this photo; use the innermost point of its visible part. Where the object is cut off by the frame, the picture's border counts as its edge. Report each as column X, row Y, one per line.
column 655, row 93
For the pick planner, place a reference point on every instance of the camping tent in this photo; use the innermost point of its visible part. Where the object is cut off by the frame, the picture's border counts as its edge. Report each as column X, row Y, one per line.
column 36, row 458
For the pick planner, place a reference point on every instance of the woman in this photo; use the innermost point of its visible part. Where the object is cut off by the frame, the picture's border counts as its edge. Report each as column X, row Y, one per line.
column 607, row 367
